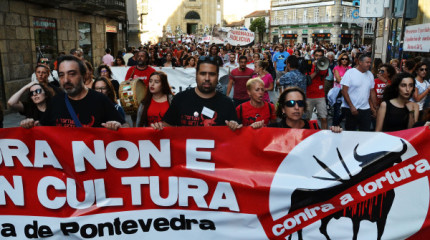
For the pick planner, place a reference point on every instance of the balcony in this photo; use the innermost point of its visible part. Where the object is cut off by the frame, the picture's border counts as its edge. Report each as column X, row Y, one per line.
column 111, row 8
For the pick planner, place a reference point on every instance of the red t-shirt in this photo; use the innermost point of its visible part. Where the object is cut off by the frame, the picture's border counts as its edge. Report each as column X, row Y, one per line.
column 134, row 72
column 156, row 111
column 316, row 89
column 251, row 114
column 240, row 78
column 379, row 89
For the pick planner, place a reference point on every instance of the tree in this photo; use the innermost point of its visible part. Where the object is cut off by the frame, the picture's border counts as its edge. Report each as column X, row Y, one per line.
column 259, row 23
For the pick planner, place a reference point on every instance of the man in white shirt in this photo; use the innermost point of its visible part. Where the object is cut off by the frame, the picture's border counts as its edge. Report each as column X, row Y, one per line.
column 357, row 89
column 232, row 61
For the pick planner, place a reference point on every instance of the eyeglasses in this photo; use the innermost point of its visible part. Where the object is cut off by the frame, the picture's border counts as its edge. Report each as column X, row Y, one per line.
column 36, row 92
column 206, row 58
column 381, row 71
column 292, row 103
column 100, row 89
column 346, row 59
column 103, row 71
column 423, row 69
column 44, row 61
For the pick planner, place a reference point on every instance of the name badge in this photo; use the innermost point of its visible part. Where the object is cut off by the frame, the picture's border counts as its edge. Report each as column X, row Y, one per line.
column 208, row 112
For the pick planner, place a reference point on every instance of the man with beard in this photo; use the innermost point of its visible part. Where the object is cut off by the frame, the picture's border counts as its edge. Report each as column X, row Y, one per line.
column 78, row 106
column 238, row 78
column 203, row 105
column 141, row 70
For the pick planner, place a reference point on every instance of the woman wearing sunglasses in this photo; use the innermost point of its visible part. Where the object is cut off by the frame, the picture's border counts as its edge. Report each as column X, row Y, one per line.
column 291, row 106
column 385, row 74
column 422, row 86
column 36, row 102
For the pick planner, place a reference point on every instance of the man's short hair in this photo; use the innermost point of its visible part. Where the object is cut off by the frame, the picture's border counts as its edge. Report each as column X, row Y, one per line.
column 320, row 51
column 208, row 60
column 82, row 67
column 107, row 50
column 293, row 61
column 410, row 64
column 363, row 56
column 243, row 57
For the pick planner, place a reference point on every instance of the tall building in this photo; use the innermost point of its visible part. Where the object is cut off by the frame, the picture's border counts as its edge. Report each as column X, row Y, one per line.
column 308, row 21
column 152, row 20
column 30, row 29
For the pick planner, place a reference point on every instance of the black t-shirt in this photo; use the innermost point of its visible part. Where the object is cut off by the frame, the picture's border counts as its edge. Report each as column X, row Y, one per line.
column 188, row 109
column 93, row 110
column 31, row 111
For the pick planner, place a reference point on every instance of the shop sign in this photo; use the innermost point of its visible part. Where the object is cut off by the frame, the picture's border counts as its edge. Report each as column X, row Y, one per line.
column 111, row 29
column 45, row 23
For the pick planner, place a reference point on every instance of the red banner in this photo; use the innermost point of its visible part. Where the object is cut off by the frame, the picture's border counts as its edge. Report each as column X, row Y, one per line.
column 212, row 183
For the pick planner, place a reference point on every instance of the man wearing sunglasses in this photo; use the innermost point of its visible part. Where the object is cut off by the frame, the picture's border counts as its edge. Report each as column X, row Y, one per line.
column 203, row 105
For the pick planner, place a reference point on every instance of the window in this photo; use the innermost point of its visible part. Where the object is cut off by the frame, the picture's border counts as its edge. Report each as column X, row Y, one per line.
column 45, row 37
column 316, row 14
column 294, row 14
column 192, row 15
column 305, row 14
column 85, row 40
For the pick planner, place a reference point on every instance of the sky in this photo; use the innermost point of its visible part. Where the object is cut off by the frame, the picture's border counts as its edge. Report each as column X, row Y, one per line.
column 237, row 9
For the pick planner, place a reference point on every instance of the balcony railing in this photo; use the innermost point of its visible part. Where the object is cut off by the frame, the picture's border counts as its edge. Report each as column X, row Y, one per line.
column 287, row 21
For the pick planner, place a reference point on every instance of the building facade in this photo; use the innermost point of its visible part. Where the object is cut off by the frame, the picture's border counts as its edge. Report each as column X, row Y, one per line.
column 258, row 14
column 172, row 19
column 34, row 28
column 309, row 21
column 389, row 28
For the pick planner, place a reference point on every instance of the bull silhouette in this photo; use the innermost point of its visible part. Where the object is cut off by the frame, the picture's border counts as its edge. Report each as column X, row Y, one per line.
column 374, row 209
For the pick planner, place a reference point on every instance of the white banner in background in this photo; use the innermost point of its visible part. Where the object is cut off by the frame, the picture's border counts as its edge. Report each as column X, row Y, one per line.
column 417, row 38
column 179, row 78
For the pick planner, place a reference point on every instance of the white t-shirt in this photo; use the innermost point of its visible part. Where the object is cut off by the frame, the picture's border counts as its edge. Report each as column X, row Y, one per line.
column 50, row 77
column 359, row 85
column 421, row 87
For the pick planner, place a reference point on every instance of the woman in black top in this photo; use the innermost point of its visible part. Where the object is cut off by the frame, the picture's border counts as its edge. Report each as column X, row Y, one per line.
column 36, row 102
column 291, row 106
column 396, row 111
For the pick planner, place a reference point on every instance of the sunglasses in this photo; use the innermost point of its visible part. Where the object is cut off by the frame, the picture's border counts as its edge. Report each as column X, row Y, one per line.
column 44, row 61
column 381, row 71
column 346, row 59
column 423, row 69
column 103, row 71
column 36, row 92
column 292, row 103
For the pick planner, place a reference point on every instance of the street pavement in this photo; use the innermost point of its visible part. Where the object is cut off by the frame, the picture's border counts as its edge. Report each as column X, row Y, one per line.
column 12, row 120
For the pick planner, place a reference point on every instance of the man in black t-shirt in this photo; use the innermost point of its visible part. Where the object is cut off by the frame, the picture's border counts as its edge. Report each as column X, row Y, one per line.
column 203, row 105
column 92, row 109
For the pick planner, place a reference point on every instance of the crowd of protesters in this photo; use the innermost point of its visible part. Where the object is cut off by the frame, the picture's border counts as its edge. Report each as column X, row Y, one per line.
column 359, row 92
